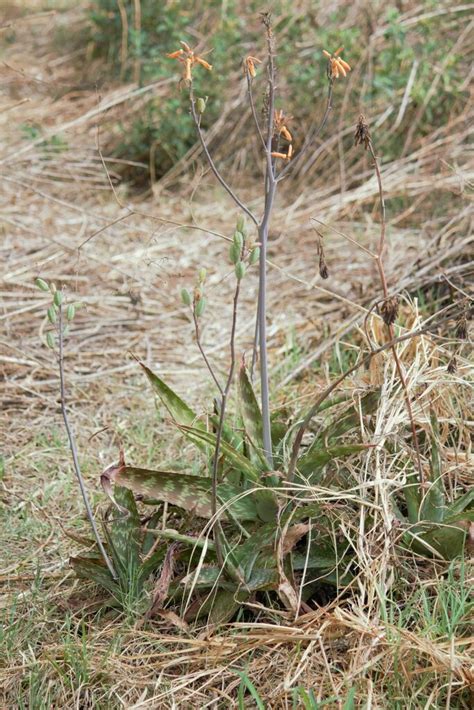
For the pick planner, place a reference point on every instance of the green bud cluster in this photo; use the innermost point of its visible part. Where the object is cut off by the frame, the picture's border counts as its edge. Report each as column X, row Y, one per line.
column 197, row 300
column 53, row 310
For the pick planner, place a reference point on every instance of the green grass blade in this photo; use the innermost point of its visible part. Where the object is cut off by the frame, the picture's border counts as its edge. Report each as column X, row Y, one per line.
column 246, row 683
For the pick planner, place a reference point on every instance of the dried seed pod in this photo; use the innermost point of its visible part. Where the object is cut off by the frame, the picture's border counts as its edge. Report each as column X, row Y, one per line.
column 362, row 134
column 58, row 298
column 70, row 312
column 254, row 255
column 389, row 310
column 50, row 340
column 186, row 297
column 52, row 315
column 234, row 253
column 461, row 327
column 240, row 270
column 323, row 269
column 199, row 306
column 452, row 365
column 42, row 284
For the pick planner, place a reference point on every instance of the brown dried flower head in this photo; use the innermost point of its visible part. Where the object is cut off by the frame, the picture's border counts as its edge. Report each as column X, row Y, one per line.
column 323, row 268
column 452, row 365
column 461, row 327
column 389, row 310
column 362, row 134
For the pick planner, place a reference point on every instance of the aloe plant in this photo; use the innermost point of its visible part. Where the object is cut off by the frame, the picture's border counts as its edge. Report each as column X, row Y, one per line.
column 262, row 531
column 435, row 526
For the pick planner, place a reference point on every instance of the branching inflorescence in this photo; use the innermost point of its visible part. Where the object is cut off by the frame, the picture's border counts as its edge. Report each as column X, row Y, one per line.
column 277, row 144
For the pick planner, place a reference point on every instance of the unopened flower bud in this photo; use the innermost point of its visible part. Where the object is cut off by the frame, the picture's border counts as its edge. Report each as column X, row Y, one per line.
column 234, row 253
column 238, row 239
column 240, row 270
column 42, row 284
column 201, row 105
column 52, row 316
column 185, row 297
column 202, row 275
column 58, row 298
column 50, row 340
column 200, row 306
column 71, row 312
column 254, row 255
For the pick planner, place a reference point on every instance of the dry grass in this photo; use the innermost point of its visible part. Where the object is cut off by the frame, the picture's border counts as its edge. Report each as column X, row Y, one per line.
column 59, row 219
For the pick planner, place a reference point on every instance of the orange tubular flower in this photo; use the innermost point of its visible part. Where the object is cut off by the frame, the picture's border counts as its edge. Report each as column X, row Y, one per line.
column 188, row 58
column 336, row 65
column 250, row 65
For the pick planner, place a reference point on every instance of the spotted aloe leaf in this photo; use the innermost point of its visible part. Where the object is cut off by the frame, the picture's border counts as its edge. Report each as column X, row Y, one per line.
column 209, row 577
column 349, row 420
column 177, row 407
column 94, row 569
column 225, row 605
column 447, row 539
column 461, row 503
column 314, row 460
column 193, row 493
column 252, row 417
column 232, row 456
column 433, row 506
column 123, row 533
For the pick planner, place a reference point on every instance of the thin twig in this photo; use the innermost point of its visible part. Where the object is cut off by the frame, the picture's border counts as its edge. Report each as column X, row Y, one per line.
column 270, row 192
column 73, row 447
column 390, row 330
column 225, row 393
column 205, row 358
column 254, row 112
column 212, row 165
column 312, row 135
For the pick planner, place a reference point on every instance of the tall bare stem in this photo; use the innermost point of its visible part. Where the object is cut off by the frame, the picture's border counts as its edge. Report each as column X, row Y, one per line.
column 73, row 447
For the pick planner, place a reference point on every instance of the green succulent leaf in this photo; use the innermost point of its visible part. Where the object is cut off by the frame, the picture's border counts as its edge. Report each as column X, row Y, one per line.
column 94, row 569
column 252, row 417
column 461, row 503
column 193, row 493
column 178, row 409
column 225, row 605
column 314, row 460
column 433, row 506
column 232, row 456
column 447, row 540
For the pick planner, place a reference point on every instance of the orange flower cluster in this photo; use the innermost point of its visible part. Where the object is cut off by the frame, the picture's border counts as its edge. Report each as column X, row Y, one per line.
column 187, row 56
column 281, row 129
column 337, row 66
